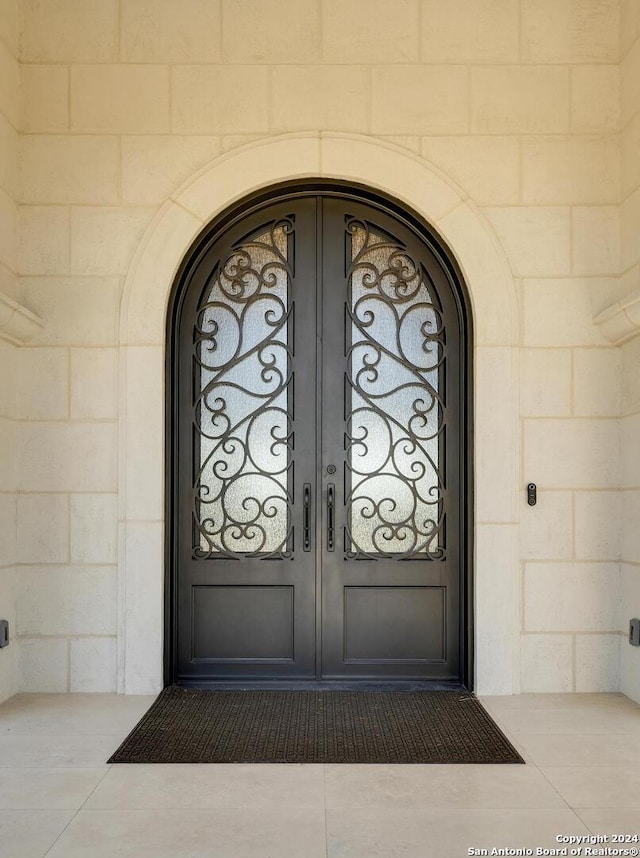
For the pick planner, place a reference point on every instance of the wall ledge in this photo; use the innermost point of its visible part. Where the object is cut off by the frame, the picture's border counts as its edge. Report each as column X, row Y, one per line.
column 17, row 324
column 621, row 321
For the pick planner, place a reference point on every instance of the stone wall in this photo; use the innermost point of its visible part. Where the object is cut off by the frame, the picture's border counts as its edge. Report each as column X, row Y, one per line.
column 9, row 120
column 630, row 424
column 516, row 101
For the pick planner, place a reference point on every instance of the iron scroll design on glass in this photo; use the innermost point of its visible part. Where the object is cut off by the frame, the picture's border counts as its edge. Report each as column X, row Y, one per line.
column 395, row 349
column 243, row 378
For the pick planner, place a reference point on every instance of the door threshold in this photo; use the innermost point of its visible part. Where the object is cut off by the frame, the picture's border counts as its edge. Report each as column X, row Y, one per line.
column 323, row 685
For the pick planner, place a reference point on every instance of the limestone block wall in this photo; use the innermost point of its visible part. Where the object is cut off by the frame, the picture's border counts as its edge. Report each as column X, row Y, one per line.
column 8, row 499
column 517, row 101
column 630, row 435
column 9, row 120
column 630, row 424
column 630, row 147
column 9, row 116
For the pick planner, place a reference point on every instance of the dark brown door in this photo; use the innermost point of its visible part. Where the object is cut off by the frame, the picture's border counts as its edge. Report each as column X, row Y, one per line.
column 317, row 498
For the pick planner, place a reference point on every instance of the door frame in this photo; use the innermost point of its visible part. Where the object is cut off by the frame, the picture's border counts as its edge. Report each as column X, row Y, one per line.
column 208, row 235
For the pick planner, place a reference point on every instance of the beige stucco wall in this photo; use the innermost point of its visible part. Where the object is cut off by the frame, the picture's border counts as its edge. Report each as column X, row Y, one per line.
column 516, row 101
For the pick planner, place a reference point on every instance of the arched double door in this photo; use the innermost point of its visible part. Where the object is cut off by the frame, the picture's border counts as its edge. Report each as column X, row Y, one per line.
column 318, row 438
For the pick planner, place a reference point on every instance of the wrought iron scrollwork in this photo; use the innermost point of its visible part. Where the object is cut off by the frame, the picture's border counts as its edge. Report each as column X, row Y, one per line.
column 395, row 405
column 243, row 438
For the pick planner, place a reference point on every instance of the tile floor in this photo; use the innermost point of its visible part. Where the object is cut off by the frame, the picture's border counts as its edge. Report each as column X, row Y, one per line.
column 59, row 799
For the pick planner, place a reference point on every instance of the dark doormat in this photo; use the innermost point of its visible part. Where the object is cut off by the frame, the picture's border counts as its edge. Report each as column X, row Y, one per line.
column 188, row 726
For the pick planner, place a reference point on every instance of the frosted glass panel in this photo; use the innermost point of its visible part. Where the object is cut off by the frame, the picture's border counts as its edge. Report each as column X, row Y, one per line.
column 242, row 371
column 395, row 423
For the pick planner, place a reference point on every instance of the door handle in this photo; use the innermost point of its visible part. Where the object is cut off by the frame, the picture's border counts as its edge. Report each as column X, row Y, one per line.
column 306, row 517
column 331, row 491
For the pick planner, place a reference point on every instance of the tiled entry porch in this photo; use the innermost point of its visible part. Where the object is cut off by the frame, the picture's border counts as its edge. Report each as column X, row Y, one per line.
column 59, row 799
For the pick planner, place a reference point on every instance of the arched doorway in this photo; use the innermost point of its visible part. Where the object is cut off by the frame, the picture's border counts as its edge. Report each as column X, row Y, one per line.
column 319, row 446
column 359, row 160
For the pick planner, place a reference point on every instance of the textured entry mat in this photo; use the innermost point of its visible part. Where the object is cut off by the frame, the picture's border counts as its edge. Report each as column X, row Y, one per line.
column 189, row 726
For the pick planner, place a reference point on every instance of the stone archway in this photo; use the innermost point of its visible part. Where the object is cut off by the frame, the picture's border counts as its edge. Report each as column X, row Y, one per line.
column 400, row 174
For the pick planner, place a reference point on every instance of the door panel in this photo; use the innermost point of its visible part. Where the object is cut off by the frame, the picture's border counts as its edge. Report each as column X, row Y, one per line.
column 372, row 632
column 318, row 451
column 246, row 447
column 391, row 586
column 243, row 622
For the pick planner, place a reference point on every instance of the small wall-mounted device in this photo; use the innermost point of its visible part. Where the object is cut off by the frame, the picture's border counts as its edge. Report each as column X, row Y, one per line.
column 532, row 494
column 634, row 632
column 4, row 633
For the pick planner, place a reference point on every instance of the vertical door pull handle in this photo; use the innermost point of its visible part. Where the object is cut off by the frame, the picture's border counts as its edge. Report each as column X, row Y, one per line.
column 306, row 517
column 331, row 491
